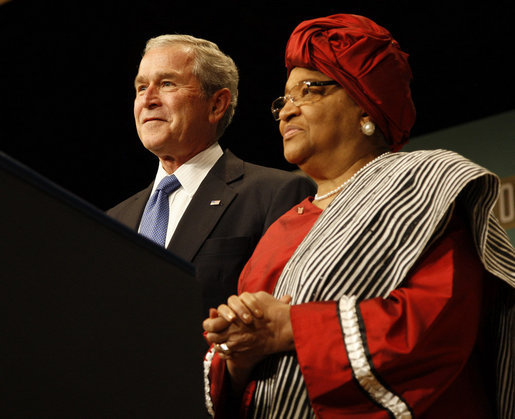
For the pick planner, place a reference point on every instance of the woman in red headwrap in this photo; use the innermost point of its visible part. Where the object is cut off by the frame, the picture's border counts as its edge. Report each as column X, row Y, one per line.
column 369, row 299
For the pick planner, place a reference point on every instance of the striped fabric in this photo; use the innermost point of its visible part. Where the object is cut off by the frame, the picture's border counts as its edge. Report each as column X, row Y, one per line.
column 364, row 244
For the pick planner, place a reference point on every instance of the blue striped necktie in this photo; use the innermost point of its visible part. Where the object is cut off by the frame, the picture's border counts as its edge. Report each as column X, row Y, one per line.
column 154, row 222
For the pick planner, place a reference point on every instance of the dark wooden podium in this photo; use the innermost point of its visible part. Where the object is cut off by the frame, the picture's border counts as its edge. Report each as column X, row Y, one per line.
column 95, row 321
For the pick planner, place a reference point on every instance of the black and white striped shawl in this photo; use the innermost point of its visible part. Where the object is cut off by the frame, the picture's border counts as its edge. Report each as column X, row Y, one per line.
column 363, row 246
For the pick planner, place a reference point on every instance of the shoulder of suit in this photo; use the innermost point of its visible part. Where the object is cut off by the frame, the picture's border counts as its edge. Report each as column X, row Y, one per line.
column 257, row 172
column 144, row 193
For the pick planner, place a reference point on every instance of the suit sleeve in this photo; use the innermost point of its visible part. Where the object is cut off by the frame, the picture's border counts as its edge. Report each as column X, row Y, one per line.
column 399, row 353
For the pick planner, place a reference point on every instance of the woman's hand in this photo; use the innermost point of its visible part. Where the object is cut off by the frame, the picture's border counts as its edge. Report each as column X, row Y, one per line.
column 257, row 324
column 252, row 326
column 251, row 320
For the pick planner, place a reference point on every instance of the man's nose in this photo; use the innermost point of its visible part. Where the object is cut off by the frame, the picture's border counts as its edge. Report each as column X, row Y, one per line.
column 151, row 97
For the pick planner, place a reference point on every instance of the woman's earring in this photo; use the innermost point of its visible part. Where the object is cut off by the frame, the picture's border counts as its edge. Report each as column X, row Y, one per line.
column 368, row 128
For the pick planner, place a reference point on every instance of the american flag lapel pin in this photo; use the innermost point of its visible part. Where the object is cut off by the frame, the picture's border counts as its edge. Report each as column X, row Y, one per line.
column 215, row 202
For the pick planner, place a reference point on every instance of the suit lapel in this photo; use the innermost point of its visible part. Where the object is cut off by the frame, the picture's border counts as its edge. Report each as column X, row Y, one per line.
column 131, row 217
column 204, row 210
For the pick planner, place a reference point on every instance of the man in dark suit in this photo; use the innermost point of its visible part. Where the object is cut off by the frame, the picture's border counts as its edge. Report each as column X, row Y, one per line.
column 220, row 206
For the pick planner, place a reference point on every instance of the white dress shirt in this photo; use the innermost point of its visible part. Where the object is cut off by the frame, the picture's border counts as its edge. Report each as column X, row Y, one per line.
column 190, row 174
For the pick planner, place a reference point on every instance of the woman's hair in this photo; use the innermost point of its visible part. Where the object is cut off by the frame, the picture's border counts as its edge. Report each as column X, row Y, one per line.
column 211, row 67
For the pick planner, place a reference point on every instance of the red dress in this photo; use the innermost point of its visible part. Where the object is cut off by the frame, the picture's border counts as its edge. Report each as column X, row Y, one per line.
column 422, row 340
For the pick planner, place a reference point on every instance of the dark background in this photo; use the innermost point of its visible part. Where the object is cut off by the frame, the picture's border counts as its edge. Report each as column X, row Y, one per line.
column 67, row 70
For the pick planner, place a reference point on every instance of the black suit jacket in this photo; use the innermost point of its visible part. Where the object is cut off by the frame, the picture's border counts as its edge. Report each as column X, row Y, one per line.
column 219, row 239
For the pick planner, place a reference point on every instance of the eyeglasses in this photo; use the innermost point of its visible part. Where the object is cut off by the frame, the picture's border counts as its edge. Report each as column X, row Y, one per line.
column 301, row 94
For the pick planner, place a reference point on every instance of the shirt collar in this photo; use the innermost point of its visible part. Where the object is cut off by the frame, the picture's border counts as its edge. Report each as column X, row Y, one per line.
column 192, row 173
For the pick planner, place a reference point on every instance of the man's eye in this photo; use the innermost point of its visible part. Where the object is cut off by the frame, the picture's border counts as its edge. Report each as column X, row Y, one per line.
column 168, row 85
column 141, row 88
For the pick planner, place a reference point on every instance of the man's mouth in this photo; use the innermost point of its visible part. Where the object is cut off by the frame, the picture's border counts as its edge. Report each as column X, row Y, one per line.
column 152, row 119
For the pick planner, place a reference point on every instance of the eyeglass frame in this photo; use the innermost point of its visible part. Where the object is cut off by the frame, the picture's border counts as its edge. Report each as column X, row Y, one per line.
column 288, row 97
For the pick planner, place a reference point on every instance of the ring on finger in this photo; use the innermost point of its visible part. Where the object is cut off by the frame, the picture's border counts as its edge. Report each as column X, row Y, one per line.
column 222, row 347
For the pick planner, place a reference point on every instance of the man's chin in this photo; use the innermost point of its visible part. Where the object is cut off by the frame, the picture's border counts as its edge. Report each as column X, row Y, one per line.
column 154, row 144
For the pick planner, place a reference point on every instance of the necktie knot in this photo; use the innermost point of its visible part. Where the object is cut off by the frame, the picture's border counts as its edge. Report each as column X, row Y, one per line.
column 168, row 184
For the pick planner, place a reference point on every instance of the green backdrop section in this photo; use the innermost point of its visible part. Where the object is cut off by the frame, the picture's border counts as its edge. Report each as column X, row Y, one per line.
column 489, row 142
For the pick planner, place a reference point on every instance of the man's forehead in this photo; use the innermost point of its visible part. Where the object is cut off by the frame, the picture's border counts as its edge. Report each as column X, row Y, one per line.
column 173, row 56
column 160, row 62
column 157, row 75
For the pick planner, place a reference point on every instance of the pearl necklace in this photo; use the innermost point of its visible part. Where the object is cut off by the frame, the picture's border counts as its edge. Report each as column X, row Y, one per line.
column 339, row 188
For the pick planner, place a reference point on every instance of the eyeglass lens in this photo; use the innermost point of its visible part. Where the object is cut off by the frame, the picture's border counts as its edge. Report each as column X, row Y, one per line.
column 300, row 94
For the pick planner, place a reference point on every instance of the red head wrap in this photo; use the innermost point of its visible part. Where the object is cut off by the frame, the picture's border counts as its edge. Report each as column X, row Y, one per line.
column 363, row 58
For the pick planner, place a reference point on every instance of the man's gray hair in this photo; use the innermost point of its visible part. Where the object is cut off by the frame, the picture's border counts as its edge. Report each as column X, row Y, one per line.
column 211, row 67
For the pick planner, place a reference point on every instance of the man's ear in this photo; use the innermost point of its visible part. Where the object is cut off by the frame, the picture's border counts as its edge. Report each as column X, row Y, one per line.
column 219, row 103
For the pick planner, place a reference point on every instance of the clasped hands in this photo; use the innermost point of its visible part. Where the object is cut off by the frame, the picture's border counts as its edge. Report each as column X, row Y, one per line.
column 252, row 326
